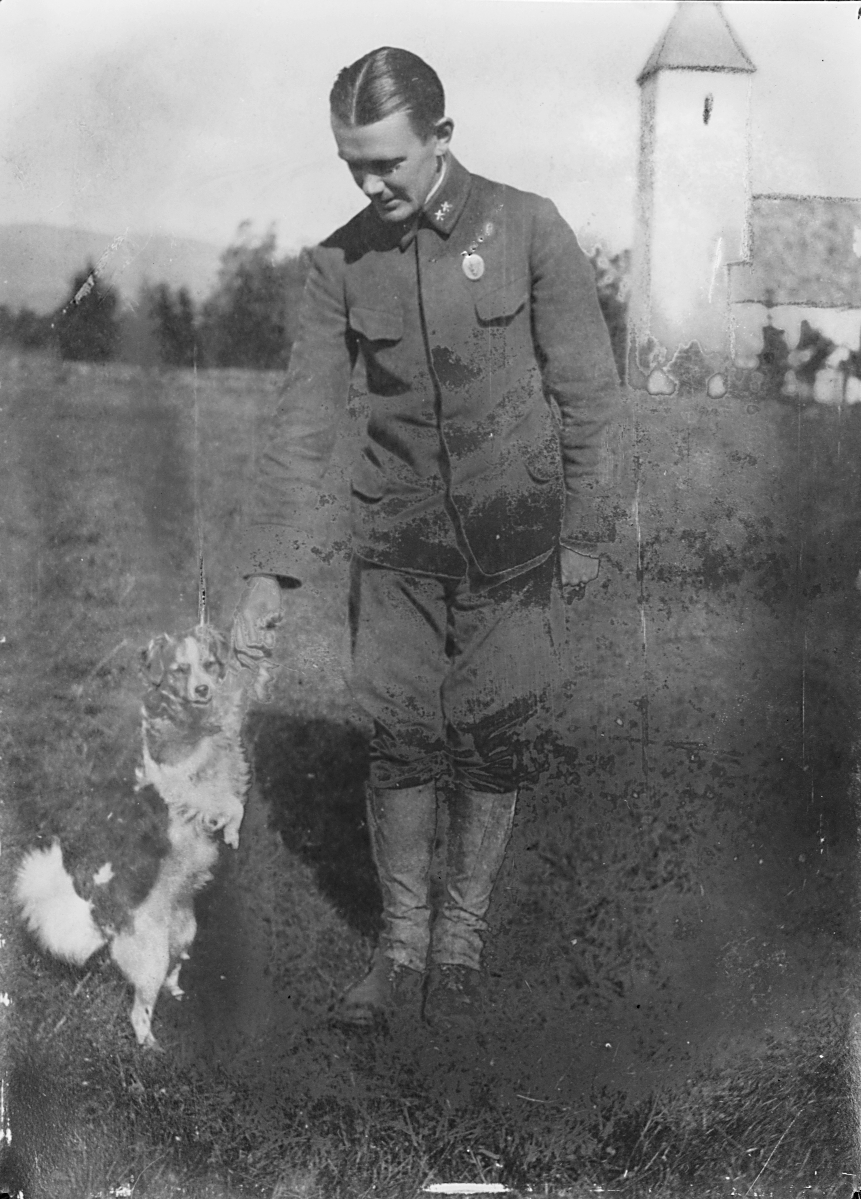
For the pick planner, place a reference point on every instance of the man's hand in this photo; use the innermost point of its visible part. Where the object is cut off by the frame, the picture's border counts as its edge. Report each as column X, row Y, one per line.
column 257, row 613
column 577, row 570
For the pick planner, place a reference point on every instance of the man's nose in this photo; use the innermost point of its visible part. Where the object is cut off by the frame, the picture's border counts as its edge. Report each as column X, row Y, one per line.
column 372, row 185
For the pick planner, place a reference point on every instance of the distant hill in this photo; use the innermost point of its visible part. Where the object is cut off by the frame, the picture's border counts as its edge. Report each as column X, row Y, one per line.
column 38, row 263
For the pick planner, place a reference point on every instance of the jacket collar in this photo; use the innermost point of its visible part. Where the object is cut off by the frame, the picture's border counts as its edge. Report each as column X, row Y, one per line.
column 444, row 208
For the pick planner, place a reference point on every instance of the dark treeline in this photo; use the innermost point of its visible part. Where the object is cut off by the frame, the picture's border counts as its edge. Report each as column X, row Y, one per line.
column 248, row 320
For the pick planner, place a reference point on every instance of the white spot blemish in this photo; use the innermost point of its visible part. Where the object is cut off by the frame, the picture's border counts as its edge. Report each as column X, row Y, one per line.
column 103, row 875
column 716, row 387
column 635, row 514
column 90, row 281
column 856, row 242
column 716, row 265
column 465, row 1188
column 659, row 383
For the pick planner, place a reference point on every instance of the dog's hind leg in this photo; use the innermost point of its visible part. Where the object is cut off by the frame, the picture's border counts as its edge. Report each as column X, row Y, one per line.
column 183, row 930
column 142, row 955
column 171, row 983
column 141, row 1018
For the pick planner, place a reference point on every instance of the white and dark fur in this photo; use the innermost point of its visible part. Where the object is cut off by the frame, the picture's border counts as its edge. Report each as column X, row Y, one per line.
column 193, row 758
column 192, row 713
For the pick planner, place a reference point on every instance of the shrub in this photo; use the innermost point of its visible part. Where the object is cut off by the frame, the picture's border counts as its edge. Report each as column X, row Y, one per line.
column 25, row 328
column 250, row 318
column 87, row 325
column 172, row 315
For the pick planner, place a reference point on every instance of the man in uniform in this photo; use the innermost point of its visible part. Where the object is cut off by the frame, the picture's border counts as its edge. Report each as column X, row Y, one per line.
column 463, row 316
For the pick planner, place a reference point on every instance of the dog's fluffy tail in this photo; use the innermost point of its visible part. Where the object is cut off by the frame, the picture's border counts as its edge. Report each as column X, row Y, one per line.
column 58, row 917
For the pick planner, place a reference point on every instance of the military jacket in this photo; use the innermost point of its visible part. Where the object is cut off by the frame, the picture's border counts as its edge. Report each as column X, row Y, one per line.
column 474, row 341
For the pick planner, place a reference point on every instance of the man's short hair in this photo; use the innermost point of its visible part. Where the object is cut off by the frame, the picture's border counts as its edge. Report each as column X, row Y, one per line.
column 387, row 81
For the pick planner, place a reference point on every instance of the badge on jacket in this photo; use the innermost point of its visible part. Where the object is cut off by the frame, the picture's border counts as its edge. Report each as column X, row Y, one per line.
column 473, row 266
column 472, row 263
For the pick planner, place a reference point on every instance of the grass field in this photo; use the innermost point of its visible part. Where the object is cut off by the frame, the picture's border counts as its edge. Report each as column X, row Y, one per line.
column 674, row 930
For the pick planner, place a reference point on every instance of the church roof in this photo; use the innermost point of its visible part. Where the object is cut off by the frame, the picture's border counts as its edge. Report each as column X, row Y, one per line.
column 698, row 38
column 805, row 250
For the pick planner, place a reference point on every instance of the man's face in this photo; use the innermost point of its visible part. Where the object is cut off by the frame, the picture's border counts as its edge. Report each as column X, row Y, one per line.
column 391, row 164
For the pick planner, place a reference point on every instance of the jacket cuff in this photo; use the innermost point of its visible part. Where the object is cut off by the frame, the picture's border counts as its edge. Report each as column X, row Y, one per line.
column 584, row 527
column 579, row 547
column 276, row 550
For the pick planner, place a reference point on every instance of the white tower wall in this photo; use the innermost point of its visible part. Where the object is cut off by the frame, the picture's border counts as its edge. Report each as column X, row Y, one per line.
column 694, row 198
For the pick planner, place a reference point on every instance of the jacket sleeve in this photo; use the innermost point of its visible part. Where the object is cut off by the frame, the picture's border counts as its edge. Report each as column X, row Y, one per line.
column 579, row 372
column 298, row 443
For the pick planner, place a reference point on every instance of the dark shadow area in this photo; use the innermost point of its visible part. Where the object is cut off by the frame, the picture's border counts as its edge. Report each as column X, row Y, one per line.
column 312, row 774
column 39, row 1106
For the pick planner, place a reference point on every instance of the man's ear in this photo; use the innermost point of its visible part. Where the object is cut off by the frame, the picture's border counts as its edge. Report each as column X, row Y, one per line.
column 443, row 131
column 153, row 660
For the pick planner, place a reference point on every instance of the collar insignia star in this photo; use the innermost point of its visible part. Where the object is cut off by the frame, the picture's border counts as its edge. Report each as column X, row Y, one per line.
column 442, row 210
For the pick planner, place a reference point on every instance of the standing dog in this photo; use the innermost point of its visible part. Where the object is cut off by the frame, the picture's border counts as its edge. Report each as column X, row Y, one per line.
column 193, row 762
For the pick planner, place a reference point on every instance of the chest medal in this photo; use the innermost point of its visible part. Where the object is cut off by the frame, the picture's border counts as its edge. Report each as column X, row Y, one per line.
column 473, row 266
column 473, row 263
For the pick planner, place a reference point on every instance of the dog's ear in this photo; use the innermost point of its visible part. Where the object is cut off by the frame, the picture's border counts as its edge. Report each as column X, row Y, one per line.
column 153, row 660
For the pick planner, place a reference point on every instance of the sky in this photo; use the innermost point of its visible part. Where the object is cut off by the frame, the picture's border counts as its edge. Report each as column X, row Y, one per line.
column 187, row 117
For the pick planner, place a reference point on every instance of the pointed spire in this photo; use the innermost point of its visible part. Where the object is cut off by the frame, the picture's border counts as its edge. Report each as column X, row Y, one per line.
column 698, row 38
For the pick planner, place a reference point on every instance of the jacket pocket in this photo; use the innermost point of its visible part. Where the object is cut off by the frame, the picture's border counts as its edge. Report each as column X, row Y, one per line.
column 377, row 324
column 504, row 302
column 543, row 459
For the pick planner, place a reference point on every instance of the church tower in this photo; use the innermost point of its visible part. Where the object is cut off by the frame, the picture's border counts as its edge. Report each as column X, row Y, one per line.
column 693, row 189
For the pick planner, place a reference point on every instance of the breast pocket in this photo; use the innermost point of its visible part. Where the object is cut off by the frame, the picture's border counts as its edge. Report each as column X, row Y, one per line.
column 379, row 333
column 501, row 304
column 377, row 324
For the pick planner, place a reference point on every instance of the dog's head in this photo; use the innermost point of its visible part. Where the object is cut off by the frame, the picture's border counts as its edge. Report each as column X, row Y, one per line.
column 187, row 668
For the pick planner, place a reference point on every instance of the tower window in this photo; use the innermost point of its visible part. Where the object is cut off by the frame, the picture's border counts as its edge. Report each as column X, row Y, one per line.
column 708, row 105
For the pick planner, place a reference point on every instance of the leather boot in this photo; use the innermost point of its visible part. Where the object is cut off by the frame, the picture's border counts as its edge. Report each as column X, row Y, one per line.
column 402, row 827
column 387, row 990
column 478, row 832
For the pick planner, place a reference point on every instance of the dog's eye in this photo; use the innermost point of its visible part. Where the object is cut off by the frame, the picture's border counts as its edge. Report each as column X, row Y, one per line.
column 210, row 664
